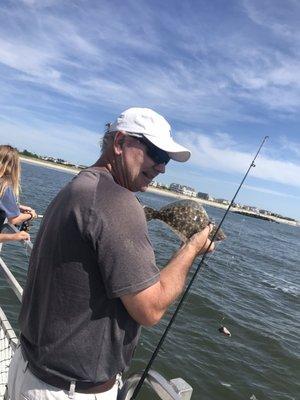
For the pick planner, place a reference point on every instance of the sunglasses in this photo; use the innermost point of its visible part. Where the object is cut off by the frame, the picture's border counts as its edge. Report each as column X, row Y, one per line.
column 157, row 155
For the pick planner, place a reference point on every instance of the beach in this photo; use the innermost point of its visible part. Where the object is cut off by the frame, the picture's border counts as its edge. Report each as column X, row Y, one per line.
column 163, row 192
column 50, row 164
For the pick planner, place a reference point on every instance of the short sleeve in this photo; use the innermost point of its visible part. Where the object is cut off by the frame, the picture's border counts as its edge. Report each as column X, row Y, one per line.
column 125, row 255
column 8, row 203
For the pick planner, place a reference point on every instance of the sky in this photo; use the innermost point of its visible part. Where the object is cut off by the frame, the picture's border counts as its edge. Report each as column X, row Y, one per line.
column 224, row 73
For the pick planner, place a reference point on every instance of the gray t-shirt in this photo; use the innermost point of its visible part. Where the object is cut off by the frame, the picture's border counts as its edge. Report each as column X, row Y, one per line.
column 92, row 248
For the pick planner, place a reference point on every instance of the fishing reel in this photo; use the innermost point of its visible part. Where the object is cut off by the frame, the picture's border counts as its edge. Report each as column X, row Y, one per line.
column 25, row 226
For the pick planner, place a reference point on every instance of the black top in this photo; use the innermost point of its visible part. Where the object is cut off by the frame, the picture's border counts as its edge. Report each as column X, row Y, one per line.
column 2, row 218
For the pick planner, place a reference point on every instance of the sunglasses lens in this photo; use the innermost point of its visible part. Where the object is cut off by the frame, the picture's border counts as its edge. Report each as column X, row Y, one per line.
column 160, row 157
column 157, row 155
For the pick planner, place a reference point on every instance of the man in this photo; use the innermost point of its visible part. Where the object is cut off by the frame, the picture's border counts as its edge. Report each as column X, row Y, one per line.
column 92, row 279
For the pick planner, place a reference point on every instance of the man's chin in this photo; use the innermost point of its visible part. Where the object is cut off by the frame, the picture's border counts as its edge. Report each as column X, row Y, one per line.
column 143, row 188
column 139, row 188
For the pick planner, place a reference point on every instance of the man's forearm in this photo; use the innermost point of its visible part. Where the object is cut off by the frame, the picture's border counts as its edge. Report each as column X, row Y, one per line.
column 173, row 276
column 149, row 305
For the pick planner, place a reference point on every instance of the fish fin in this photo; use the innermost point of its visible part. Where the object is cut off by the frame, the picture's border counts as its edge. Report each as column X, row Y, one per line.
column 150, row 213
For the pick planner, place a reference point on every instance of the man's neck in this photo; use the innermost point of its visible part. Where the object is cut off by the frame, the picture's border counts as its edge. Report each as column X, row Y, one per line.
column 103, row 163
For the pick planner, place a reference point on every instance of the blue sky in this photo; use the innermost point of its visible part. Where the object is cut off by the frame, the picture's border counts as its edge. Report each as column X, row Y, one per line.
column 224, row 73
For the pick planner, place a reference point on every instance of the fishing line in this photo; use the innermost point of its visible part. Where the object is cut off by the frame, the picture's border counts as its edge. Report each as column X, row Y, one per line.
column 183, row 297
column 230, row 262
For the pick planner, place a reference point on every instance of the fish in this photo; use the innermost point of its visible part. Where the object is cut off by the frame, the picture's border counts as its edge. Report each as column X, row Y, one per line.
column 185, row 217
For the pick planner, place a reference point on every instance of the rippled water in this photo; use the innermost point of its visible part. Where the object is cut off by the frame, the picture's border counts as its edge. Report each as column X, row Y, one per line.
column 251, row 283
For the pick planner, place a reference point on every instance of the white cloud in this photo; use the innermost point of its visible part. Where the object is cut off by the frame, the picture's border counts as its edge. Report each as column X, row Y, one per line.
column 282, row 18
column 77, row 52
column 65, row 141
column 289, row 146
column 28, row 60
column 209, row 153
column 270, row 191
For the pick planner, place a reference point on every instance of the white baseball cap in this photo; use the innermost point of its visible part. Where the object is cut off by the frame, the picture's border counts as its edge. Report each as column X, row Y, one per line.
column 153, row 127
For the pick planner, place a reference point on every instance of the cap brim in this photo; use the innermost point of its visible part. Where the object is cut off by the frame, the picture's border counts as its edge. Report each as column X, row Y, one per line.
column 176, row 151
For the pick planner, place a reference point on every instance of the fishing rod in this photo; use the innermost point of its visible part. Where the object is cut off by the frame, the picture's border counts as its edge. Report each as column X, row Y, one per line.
column 181, row 301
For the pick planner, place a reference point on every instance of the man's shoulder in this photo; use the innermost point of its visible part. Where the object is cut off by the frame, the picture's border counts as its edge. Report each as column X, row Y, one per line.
column 90, row 179
column 104, row 188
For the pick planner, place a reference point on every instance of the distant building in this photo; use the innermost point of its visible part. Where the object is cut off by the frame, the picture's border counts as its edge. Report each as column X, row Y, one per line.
column 52, row 159
column 254, row 209
column 222, row 201
column 163, row 186
column 247, row 208
column 186, row 190
column 153, row 183
column 175, row 187
column 204, row 196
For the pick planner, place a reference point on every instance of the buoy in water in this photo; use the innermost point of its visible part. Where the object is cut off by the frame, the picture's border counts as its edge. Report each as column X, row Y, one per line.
column 224, row 330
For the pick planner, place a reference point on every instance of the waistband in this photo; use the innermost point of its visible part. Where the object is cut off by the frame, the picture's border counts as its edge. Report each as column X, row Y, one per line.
column 75, row 386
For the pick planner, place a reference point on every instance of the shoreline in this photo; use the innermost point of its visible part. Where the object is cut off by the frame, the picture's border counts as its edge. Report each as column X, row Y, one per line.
column 48, row 164
column 179, row 196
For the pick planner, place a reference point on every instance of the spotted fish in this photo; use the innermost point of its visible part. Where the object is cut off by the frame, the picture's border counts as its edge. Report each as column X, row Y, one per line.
column 185, row 217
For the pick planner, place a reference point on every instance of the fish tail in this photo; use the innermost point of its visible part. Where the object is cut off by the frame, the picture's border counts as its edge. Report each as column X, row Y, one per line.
column 150, row 213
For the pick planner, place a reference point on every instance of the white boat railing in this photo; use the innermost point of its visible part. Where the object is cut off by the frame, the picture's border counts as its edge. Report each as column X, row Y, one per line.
column 13, row 283
column 8, row 343
column 175, row 389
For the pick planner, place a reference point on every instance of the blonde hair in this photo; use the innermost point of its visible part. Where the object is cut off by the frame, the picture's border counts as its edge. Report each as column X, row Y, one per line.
column 9, row 169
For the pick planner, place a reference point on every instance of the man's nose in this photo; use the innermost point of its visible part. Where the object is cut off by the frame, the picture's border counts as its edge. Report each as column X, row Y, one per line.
column 161, row 168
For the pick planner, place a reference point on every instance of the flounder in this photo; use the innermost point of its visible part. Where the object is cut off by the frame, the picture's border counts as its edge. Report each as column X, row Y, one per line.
column 185, row 217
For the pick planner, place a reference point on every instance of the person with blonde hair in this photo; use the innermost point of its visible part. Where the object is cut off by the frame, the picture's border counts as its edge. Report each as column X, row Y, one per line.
column 9, row 192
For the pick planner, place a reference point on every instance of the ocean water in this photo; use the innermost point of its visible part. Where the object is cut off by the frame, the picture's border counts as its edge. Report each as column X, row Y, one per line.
column 250, row 284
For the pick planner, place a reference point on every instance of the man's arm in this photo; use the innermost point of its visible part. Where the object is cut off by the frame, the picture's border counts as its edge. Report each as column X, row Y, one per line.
column 149, row 305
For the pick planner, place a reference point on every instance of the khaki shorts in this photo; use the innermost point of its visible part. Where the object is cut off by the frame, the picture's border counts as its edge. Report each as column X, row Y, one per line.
column 23, row 385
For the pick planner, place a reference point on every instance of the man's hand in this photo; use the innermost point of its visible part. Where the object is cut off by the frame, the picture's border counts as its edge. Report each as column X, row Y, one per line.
column 200, row 241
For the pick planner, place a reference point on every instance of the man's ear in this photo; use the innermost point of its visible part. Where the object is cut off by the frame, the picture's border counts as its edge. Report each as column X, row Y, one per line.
column 119, row 141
